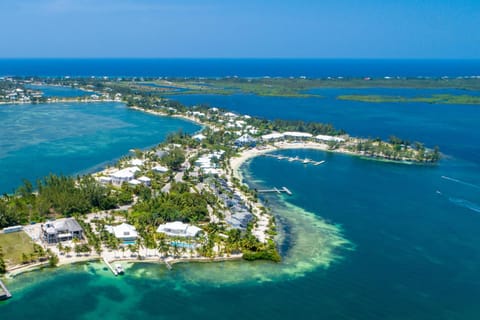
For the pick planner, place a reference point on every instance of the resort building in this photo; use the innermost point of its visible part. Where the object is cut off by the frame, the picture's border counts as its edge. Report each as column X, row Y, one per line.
column 124, row 175
column 124, row 232
column 245, row 140
column 61, row 230
column 272, row 136
column 297, row 135
column 179, row 229
column 323, row 137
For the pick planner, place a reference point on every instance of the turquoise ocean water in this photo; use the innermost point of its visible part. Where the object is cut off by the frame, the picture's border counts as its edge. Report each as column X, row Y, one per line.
column 73, row 138
column 361, row 239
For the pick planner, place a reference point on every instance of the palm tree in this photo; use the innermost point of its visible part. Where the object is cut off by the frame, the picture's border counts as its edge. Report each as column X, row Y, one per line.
column 163, row 247
column 60, row 248
column 68, row 249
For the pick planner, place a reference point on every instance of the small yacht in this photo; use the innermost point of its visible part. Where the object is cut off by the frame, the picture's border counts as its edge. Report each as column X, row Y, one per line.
column 119, row 269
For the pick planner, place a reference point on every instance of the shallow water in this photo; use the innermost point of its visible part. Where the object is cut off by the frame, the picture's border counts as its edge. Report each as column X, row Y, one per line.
column 59, row 92
column 73, row 138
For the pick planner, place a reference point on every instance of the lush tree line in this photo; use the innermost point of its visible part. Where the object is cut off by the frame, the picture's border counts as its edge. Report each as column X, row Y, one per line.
column 55, row 195
column 397, row 149
column 177, row 205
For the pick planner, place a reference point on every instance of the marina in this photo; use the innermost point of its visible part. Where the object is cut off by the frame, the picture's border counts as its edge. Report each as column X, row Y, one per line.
column 295, row 159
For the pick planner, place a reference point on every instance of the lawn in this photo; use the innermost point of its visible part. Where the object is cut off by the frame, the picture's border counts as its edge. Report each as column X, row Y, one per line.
column 14, row 245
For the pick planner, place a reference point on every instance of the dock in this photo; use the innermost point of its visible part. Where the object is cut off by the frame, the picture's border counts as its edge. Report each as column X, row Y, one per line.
column 115, row 273
column 294, row 159
column 276, row 190
column 4, row 293
column 169, row 266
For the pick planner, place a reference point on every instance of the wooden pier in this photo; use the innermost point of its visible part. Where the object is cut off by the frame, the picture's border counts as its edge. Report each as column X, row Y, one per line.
column 169, row 266
column 115, row 273
column 4, row 293
column 294, row 159
column 283, row 189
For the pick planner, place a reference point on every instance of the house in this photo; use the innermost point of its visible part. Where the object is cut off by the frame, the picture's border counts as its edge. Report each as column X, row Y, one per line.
column 199, row 137
column 179, row 229
column 124, row 232
column 246, row 140
column 160, row 169
column 239, row 219
column 61, row 230
column 145, row 181
column 124, row 175
column 136, row 162
column 105, row 180
column 134, row 182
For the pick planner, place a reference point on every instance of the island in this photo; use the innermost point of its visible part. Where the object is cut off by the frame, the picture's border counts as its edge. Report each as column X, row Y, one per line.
column 183, row 200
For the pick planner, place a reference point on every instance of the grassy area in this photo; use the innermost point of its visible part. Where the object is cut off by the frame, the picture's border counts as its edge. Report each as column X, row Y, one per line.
column 14, row 245
column 436, row 99
column 299, row 87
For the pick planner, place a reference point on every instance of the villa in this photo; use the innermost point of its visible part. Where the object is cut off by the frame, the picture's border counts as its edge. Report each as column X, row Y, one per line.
column 124, row 175
column 179, row 229
column 61, row 230
column 124, row 232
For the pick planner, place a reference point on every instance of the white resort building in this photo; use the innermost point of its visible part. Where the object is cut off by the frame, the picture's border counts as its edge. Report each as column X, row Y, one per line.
column 124, row 175
column 124, row 232
column 179, row 229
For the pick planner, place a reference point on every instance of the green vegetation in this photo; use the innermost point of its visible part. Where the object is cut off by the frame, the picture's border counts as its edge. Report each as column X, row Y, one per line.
column 174, row 159
column 3, row 266
column 396, row 149
column 435, row 99
column 56, row 196
column 15, row 246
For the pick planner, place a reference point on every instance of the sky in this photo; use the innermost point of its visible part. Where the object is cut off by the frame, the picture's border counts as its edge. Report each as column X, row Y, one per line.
column 420, row 29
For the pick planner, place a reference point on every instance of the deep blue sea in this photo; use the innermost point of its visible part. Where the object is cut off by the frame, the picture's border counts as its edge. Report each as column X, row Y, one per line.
column 360, row 239
column 239, row 67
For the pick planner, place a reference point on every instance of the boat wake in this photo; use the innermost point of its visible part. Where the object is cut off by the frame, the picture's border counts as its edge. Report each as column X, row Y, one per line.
column 461, row 182
column 465, row 203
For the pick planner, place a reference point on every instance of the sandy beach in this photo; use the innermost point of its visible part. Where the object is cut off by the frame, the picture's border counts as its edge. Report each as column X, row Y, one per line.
column 236, row 162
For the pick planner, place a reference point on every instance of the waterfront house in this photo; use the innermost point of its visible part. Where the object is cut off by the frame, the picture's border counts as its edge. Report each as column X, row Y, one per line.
column 179, row 229
column 124, row 232
column 124, row 175
column 61, row 230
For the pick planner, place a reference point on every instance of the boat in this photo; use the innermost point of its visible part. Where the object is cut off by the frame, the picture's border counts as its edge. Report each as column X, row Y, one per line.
column 119, row 269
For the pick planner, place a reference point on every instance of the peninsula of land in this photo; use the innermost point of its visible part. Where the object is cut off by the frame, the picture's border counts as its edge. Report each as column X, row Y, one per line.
column 183, row 200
